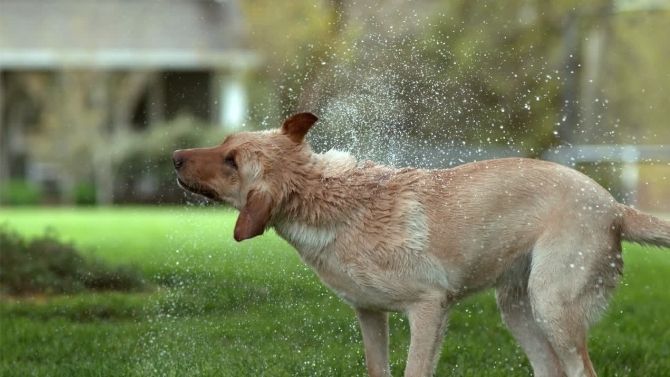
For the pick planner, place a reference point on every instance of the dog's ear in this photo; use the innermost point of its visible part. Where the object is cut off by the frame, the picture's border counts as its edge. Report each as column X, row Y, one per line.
column 297, row 125
column 254, row 216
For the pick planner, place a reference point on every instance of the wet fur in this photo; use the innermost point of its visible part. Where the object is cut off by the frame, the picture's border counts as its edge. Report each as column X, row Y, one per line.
column 548, row 238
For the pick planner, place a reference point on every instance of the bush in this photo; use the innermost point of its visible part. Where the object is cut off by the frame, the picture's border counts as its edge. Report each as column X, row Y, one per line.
column 19, row 192
column 84, row 194
column 143, row 163
column 45, row 265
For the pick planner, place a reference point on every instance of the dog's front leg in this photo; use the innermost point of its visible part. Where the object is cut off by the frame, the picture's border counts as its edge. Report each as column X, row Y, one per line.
column 375, row 330
column 427, row 320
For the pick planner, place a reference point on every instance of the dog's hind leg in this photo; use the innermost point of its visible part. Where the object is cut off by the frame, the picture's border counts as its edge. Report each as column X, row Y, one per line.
column 516, row 312
column 374, row 328
column 566, row 329
column 427, row 321
column 570, row 281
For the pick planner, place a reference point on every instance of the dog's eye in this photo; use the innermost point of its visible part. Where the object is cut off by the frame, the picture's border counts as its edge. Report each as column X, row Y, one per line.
column 230, row 161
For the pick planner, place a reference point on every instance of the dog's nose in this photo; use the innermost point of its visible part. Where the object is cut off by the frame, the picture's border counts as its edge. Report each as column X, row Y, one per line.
column 178, row 159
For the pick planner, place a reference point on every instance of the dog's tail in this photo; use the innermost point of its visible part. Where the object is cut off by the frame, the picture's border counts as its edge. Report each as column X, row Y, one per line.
column 643, row 228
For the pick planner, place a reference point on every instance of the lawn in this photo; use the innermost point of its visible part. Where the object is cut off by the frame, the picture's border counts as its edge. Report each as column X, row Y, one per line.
column 220, row 308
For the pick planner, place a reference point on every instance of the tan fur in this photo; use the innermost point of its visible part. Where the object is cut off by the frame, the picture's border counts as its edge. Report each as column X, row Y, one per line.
column 411, row 240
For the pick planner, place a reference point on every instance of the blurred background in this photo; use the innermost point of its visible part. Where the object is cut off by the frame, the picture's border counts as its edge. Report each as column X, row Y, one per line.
column 95, row 96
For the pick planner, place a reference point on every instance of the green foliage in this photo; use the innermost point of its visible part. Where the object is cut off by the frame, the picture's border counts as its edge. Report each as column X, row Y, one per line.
column 45, row 265
column 19, row 192
column 637, row 100
column 469, row 71
column 143, row 162
column 253, row 308
column 84, row 194
column 294, row 43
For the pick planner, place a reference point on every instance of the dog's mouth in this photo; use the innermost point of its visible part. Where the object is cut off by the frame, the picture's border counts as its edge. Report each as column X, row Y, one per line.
column 198, row 189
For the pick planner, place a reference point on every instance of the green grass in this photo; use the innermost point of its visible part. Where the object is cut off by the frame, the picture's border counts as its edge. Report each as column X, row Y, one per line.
column 249, row 309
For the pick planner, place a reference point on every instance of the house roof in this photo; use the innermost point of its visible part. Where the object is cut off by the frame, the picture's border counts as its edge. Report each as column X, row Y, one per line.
column 123, row 34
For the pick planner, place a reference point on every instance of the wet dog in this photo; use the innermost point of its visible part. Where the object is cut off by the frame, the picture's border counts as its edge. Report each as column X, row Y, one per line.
column 547, row 237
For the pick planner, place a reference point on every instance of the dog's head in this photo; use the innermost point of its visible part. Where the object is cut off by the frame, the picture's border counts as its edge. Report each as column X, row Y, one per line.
column 247, row 170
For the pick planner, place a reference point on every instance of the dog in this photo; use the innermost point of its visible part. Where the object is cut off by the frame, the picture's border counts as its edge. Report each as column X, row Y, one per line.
column 546, row 237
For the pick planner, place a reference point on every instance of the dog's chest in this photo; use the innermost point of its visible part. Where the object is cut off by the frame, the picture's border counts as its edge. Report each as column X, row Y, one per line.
column 309, row 240
column 314, row 244
column 349, row 270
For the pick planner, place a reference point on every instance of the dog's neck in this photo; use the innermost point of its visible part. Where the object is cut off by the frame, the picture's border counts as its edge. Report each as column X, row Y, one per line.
column 334, row 192
column 320, row 192
column 319, row 200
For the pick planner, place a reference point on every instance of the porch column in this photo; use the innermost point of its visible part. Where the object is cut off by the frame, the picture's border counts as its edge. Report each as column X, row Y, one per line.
column 229, row 96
